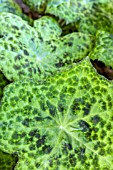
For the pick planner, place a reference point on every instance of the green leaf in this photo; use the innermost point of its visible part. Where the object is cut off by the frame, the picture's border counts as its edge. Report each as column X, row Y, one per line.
column 68, row 10
column 49, row 27
column 64, row 122
column 26, row 52
column 99, row 17
column 11, row 6
column 7, row 161
column 35, row 5
column 103, row 50
column 71, row 11
column 3, row 83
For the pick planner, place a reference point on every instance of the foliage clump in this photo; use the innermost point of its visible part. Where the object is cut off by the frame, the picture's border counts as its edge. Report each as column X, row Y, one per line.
column 55, row 109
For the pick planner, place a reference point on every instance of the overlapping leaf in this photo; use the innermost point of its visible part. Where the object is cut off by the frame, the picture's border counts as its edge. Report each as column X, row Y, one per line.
column 103, row 50
column 68, row 10
column 100, row 17
column 48, row 26
column 24, row 52
column 36, row 5
column 85, row 16
column 64, row 122
column 11, row 6
column 72, row 10
column 3, row 83
column 7, row 161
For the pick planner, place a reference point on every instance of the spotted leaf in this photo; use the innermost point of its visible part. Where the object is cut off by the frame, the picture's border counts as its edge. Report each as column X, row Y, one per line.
column 103, row 50
column 63, row 122
column 7, row 161
column 74, row 10
column 26, row 52
column 3, row 83
column 99, row 17
column 49, row 26
column 11, row 6
column 36, row 5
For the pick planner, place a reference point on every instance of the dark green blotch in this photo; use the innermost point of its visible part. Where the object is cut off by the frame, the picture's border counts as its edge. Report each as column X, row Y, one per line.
column 32, row 147
column 103, row 134
column 4, row 126
column 94, row 137
column 84, row 125
column 16, row 67
column 86, row 109
column 37, row 118
column 68, row 146
column 32, row 133
column 42, row 105
column 95, row 161
column 72, row 160
column 81, row 155
column 15, row 27
column 40, row 141
column 26, row 52
column 95, row 119
column 52, row 108
column 26, row 122
column 76, row 104
column 102, row 152
column 15, row 135
column 60, row 107
column 37, row 165
column 93, row 100
column 102, row 123
column 46, row 149
column 70, row 44
column 72, row 90
column 108, row 126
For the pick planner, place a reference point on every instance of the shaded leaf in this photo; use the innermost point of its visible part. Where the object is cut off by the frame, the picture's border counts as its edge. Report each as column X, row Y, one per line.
column 35, row 5
column 103, row 50
column 3, row 83
column 63, row 122
column 49, row 26
column 73, row 10
column 99, row 17
column 11, row 6
column 68, row 10
column 7, row 161
column 24, row 52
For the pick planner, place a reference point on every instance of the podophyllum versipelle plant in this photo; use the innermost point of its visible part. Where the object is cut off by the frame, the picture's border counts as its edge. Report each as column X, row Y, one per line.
column 56, row 111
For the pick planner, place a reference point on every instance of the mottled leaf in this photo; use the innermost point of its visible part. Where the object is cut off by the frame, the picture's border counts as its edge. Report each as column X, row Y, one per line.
column 64, row 122
column 73, row 10
column 11, row 6
column 7, row 161
column 3, row 83
column 69, row 10
column 49, row 27
column 35, row 5
column 99, row 17
column 103, row 50
column 24, row 52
